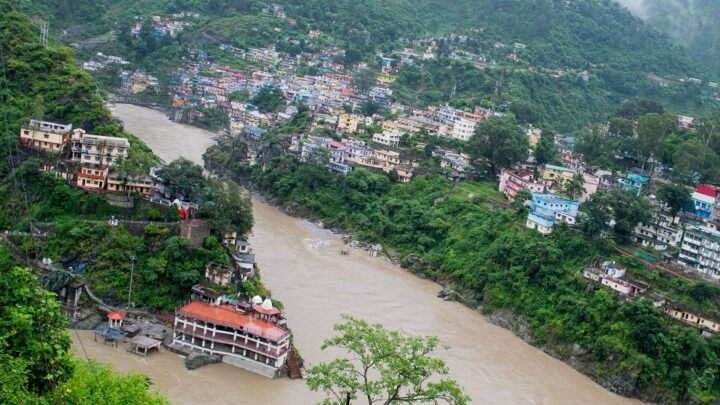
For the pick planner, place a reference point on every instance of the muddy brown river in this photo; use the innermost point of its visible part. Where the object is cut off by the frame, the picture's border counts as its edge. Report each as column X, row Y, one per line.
column 302, row 265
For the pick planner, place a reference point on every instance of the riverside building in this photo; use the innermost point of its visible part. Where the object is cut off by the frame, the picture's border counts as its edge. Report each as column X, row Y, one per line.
column 249, row 335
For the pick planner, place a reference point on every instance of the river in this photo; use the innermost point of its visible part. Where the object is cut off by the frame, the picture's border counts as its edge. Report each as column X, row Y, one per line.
column 302, row 266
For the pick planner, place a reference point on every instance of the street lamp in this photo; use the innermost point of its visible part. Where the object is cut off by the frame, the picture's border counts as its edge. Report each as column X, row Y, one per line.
column 132, row 272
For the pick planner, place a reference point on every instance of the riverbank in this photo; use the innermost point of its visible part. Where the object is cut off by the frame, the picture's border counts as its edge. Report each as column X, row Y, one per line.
column 302, row 265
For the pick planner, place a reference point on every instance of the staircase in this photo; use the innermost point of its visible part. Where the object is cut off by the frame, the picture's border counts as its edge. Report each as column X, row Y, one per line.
column 293, row 366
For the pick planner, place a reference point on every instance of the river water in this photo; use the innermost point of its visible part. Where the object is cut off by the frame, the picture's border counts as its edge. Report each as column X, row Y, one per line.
column 302, row 265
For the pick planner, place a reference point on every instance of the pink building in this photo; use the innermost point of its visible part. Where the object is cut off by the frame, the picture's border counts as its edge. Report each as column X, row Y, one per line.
column 514, row 180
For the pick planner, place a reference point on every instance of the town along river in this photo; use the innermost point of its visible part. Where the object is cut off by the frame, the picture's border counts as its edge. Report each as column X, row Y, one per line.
column 303, row 267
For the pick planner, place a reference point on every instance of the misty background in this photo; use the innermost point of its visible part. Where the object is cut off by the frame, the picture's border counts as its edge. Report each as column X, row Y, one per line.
column 692, row 24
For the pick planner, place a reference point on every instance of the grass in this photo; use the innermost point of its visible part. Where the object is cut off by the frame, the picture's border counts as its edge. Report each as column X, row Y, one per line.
column 484, row 190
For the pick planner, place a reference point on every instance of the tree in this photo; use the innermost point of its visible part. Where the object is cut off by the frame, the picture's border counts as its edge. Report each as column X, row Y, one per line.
column 575, row 187
column 694, row 162
column 629, row 210
column 269, row 99
column 363, row 80
column 595, row 215
column 620, row 127
column 595, row 148
column 521, row 197
column 546, row 151
column 94, row 383
column 228, row 209
column 34, row 340
column 240, row 95
column 677, row 197
column 183, row 178
column 652, row 129
column 318, row 156
column 500, row 141
column 387, row 367
column 137, row 164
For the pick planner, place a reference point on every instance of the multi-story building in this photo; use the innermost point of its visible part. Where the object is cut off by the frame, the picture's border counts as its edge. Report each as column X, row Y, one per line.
column 547, row 209
column 514, row 180
column 463, row 129
column 97, row 149
column 49, row 136
column 348, row 123
column 661, row 232
column 555, row 175
column 388, row 138
column 95, row 154
column 246, row 335
column 704, row 200
column 138, row 184
column 700, row 249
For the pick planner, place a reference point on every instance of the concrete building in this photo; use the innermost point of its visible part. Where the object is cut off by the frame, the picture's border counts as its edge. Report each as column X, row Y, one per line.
column 514, row 180
column 44, row 135
column 700, row 249
column 463, row 129
column 348, row 123
column 140, row 184
column 547, row 209
column 246, row 335
column 554, row 175
column 388, row 138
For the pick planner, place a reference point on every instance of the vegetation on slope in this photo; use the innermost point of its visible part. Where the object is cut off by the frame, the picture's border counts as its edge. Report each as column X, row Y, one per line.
column 619, row 50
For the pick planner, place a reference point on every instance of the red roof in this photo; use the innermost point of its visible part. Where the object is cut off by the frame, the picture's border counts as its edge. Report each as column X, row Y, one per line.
column 226, row 315
column 707, row 190
column 116, row 316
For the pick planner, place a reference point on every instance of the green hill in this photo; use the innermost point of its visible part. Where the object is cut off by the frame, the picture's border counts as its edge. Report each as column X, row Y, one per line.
column 695, row 25
column 625, row 58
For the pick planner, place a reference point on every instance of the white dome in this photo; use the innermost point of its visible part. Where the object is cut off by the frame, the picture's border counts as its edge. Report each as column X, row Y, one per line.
column 267, row 304
column 257, row 300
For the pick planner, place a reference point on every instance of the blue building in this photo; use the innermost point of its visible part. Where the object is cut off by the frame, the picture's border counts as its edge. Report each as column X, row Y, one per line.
column 634, row 182
column 547, row 209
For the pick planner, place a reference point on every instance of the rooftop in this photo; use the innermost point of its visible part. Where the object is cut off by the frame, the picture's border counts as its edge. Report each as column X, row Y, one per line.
column 557, row 168
column 226, row 315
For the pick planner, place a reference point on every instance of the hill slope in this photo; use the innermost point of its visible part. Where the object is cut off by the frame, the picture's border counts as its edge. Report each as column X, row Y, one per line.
column 624, row 57
column 693, row 24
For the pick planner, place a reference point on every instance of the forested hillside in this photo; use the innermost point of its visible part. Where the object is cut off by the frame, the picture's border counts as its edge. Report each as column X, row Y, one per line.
column 694, row 24
column 623, row 57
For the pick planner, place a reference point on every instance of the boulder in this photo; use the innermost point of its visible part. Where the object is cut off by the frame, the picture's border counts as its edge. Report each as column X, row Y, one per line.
column 196, row 360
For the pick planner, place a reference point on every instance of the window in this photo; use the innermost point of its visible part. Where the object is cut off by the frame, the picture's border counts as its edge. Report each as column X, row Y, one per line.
column 46, row 136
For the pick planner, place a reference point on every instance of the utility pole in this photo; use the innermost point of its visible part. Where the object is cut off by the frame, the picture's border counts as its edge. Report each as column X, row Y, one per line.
column 132, row 272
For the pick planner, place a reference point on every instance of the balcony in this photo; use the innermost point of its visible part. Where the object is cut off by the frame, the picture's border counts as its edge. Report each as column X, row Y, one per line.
column 227, row 338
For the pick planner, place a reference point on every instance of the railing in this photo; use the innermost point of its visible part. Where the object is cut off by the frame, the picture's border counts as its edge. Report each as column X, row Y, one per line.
column 221, row 337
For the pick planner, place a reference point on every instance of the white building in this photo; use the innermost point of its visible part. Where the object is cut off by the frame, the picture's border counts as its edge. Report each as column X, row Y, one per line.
column 388, row 138
column 700, row 249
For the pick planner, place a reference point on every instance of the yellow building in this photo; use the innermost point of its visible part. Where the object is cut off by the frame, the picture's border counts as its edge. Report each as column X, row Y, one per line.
column 556, row 174
column 142, row 184
column 49, row 136
column 348, row 123
column 386, row 78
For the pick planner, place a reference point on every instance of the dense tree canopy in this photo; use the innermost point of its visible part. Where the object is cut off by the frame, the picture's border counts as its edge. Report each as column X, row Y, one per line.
column 385, row 367
column 500, row 142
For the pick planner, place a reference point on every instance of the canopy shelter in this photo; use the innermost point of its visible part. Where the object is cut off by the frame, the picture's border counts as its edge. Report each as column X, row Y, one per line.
column 142, row 344
column 109, row 335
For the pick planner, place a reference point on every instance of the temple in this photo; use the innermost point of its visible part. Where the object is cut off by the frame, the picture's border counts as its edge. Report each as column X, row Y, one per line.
column 250, row 335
